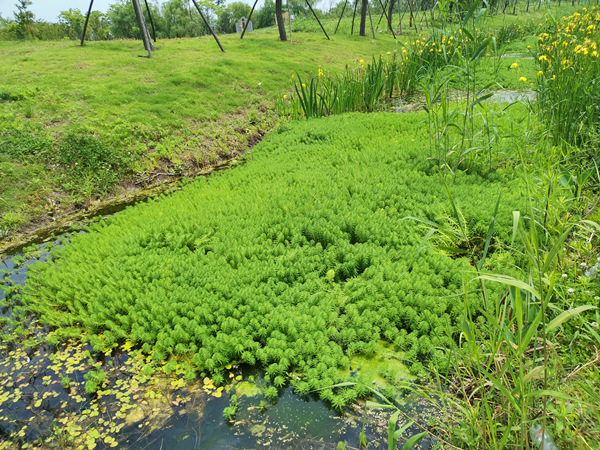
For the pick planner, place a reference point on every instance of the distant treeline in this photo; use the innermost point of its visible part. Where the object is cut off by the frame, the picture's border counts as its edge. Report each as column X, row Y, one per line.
column 179, row 18
column 172, row 19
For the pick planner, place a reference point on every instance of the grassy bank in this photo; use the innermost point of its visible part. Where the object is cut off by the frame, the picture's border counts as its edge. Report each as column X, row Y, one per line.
column 76, row 122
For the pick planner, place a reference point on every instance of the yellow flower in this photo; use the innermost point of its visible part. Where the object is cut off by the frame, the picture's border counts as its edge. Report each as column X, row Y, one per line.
column 523, row 79
column 361, row 61
column 284, row 95
column 540, row 73
column 514, row 65
column 388, row 53
column 303, row 85
column 543, row 58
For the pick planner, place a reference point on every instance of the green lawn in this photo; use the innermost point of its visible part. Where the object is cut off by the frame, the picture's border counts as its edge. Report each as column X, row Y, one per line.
column 187, row 107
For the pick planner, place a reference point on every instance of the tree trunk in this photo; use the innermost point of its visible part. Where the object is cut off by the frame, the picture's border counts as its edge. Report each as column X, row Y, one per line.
column 143, row 28
column 279, row 17
column 390, row 14
column 363, row 17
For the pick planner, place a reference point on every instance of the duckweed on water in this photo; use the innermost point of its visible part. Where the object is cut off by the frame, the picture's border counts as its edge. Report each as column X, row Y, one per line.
column 296, row 262
column 45, row 401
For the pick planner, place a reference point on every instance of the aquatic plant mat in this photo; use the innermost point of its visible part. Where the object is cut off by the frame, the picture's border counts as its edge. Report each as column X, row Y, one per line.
column 300, row 262
column 295, row 262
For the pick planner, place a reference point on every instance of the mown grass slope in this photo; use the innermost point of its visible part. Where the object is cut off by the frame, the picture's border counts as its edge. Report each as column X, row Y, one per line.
column 187, row 107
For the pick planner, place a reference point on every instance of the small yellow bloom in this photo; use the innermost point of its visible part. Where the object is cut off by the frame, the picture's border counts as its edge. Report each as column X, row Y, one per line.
column 514, row 65
column 388, row 53
column 540, row 73
column 303, row 85
column 284, row 95
column 523, row 79
column 361, row 61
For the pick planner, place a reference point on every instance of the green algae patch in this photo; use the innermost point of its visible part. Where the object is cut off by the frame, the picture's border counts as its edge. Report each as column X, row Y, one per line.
column 295, row 262
column 384, row 369
column 246, row 389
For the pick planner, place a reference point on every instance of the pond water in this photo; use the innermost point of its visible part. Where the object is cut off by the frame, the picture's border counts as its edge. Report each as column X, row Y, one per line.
column 64, row 394
column 402, row 106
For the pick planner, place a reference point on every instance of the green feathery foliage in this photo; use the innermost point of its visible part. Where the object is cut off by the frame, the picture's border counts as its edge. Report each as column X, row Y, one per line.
column 293, row 262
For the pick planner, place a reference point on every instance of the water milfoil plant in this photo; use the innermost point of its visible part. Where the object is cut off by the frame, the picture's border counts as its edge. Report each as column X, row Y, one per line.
column 295, row 262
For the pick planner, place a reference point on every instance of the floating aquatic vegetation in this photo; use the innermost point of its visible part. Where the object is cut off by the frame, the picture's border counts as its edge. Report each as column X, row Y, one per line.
column 295, row 262
column 46, row 399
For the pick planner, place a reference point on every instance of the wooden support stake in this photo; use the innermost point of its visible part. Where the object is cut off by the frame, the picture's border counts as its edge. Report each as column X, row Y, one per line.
column 341, row 15
column 87, row 19
column 353, row 16
column 389, row 22
column 290, row 17
column 143, row 28
column 248, row 21
column 316, row 17
column 371, row 19
column 208, row 26
column 151, row 21
column 381, row 15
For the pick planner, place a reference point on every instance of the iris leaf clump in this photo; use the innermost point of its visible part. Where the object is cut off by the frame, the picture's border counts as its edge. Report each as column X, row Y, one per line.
column 293, row 262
